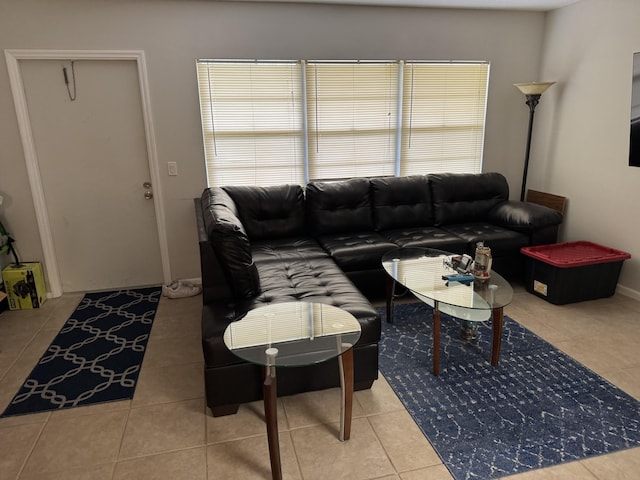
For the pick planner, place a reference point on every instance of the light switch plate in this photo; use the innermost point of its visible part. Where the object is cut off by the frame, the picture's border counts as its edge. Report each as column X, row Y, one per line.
column 173, row 168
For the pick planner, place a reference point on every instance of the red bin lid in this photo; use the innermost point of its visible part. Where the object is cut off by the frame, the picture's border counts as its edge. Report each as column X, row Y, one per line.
column 574, row 254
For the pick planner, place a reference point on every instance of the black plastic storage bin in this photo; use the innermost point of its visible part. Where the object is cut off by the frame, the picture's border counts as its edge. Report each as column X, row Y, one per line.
column 573, row 271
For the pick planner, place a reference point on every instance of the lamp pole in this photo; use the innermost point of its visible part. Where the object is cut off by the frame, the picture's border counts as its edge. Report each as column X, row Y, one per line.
column 532, row 102
column 533, row 92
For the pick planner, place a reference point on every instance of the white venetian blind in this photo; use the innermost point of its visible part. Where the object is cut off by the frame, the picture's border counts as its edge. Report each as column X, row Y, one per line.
column 252, row 122
column 443, row 117
column 352, row 118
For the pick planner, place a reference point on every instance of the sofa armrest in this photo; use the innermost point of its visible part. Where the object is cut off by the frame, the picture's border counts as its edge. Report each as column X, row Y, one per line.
column 230, row 242
column 524, row 216
column 214, row 284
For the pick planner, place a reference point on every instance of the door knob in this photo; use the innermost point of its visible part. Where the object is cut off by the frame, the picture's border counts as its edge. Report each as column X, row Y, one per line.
column 148, row 194
column 146, row 185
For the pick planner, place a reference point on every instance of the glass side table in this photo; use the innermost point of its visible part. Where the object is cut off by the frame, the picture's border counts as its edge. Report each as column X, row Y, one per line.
column 294, row 334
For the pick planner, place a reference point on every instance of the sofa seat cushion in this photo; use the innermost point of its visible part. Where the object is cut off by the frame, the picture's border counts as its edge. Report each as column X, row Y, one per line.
column 311, row 280
column 502, row 241
column 426, row 237
column 356, row 251
column 287, row 249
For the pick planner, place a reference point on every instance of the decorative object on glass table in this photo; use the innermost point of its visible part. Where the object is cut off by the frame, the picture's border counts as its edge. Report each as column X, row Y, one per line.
column 464, row 278
column 482, row 263
column 459, row 263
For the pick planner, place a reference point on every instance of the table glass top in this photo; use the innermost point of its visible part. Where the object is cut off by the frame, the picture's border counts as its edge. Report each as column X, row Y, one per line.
column 292, row 334
column 421, row 270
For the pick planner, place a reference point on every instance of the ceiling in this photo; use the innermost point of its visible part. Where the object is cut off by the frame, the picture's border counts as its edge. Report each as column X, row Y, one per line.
column 535, row 5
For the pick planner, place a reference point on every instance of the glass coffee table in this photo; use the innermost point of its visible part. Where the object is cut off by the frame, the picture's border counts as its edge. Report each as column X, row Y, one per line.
column 294, row 334
column 420, row 270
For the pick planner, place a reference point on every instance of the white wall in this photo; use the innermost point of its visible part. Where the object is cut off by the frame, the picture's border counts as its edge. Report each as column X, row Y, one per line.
column 581, row 148
column 174, row 33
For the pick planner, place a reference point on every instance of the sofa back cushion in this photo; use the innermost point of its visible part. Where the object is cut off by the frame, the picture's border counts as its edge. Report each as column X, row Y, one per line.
column 339, row 207
column 401, row 202
column 230, row 242
column 461, row 197
column 270, row 212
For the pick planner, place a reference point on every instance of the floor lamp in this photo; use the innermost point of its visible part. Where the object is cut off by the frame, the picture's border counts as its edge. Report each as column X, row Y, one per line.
column 533, row 92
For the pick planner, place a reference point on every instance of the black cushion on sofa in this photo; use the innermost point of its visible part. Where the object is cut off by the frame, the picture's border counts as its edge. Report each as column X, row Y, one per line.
column 502, row 241
column 460, row 198
column 400, row 202
column 356, row 251
column 524, row 216
column 426, row 237
column 339, row 207
column 230, row 242
column 270, row 212
column 314, row 280
column 216, row 317
column 301, row 249
column 301, row 271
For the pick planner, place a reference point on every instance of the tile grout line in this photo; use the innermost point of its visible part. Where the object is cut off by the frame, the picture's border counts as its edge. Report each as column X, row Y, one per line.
column 124, row 430
column 33, row 447
column 384, row 449
column 293, row 443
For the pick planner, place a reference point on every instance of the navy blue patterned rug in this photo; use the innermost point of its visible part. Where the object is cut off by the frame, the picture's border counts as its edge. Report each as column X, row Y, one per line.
column 96, row 356
column 537, row 408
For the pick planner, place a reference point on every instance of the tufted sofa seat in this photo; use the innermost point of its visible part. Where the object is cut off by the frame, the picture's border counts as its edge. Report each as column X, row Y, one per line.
column 324, row 243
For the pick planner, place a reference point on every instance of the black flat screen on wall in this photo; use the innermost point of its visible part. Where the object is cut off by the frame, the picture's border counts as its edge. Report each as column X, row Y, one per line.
column 634, row 144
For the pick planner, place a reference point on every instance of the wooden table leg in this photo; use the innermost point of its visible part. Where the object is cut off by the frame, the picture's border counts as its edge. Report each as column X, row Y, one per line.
column 391, row 291
column 496, row 324
column 436, row 339
column 271, row 417
column 346, row 383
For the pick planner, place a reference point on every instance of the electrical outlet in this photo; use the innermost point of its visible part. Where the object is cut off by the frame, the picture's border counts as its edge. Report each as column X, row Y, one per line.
column 173, row 168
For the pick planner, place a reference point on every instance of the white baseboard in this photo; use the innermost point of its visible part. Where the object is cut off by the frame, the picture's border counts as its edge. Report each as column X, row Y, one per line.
column 628, row 292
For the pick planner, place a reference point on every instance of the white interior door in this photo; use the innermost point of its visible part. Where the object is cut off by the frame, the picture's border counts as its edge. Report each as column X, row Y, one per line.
column 93, row 163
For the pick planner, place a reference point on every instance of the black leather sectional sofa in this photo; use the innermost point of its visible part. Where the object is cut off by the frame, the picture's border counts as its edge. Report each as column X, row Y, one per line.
column 324, row 243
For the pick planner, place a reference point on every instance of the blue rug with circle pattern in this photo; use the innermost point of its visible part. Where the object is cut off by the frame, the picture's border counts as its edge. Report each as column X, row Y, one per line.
column 537, row 408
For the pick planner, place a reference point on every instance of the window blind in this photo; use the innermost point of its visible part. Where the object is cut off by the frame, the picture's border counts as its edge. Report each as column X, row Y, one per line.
column 275, row 122
column 252, row 122
column 444, row 106
column 352, row 119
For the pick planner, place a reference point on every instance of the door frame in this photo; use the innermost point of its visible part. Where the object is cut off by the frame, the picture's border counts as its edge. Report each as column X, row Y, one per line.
column 12, row 57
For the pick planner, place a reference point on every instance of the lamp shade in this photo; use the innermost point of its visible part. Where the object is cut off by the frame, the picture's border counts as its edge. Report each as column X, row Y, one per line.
column 534, row 88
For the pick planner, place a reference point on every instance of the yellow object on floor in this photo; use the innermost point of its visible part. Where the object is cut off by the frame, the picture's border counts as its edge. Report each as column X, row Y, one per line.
column 24, row 285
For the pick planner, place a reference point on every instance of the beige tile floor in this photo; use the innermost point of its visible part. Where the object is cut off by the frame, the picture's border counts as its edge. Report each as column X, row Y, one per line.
column 165, row 432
